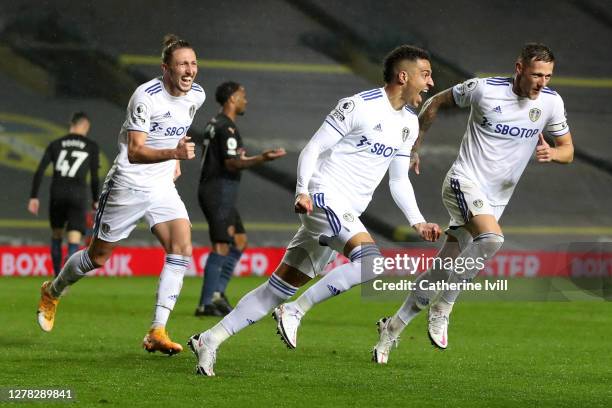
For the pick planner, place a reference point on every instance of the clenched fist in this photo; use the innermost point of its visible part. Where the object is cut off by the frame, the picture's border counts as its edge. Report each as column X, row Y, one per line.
column 185, row 150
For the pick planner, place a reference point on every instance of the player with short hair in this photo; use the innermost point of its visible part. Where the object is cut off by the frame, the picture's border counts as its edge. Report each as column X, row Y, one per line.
column 223, row 159
column 364, row 136
column 507, row 118
column 73, row 157
column 152, row 141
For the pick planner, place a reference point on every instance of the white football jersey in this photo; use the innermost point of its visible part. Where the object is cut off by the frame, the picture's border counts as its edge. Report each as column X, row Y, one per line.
column 502, row 133
column 373, row 133
column 166, row 119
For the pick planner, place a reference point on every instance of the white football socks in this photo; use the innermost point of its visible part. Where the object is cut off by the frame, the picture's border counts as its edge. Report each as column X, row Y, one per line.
column 419, row 299
column 75, row 268
column 340, row 279
column 169, row 287
column 252, row 307
column 481, row 249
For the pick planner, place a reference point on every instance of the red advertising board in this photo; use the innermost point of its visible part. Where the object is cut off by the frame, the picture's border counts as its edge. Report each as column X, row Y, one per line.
column 148, row 261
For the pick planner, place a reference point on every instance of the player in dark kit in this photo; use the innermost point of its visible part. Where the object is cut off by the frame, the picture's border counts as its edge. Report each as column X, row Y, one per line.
column 73, row 157
column 223, row 158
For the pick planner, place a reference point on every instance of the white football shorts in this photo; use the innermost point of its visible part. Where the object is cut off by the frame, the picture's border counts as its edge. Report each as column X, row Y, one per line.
column 464, row 199
column 120, row 209
column 331, row 217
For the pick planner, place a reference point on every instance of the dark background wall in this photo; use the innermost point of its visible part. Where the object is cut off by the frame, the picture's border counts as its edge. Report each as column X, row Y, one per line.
column 61, row 56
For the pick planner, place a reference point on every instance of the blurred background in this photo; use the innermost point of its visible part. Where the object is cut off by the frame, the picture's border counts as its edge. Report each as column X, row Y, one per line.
column 296, row 58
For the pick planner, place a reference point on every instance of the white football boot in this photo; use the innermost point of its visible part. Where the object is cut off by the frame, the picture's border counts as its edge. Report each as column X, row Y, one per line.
column 206, row 354
column 382, row 349
column 288, row 320
column 437, row 328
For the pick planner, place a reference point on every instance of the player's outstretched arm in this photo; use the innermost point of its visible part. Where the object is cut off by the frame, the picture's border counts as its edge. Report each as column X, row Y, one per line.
column 563, row 152
column 138, row 152
column 244, row 161
column 442, row 100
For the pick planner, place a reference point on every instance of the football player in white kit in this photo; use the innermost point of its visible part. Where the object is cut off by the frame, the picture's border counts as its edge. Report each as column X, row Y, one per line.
column 507, row 118
column 152, row 141
column 338, row 171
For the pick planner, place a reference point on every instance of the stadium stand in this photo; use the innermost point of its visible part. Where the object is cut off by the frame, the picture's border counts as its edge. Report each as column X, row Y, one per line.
column 285, row 108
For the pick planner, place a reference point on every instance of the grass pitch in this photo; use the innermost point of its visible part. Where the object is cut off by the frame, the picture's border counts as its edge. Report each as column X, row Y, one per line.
column 500, row 353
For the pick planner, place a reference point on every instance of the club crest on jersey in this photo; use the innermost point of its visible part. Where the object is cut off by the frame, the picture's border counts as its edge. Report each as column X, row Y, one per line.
column 534, row 114
column 192, row 110
column 478, row 203
column 405, row 133
column 348, row 217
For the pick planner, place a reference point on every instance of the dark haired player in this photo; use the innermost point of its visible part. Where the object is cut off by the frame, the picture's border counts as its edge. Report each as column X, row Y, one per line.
column 338, row 171
column 223, row 159
column 73, row 156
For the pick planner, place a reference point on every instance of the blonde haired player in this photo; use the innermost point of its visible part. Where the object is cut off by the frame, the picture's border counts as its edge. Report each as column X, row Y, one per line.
column 152, row 141
column 507, row 118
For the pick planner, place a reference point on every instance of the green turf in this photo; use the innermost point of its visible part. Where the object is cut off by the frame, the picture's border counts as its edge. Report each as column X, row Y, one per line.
column 501, row 353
